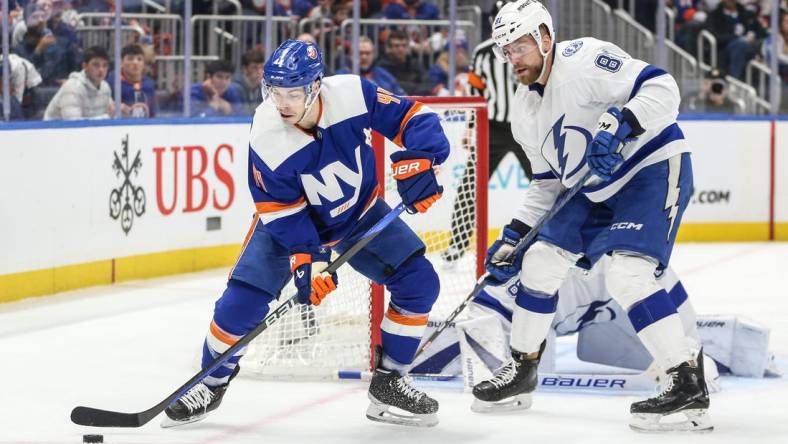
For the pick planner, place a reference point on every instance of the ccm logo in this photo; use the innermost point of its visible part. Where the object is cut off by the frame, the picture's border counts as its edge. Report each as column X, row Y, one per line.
column 626, row 226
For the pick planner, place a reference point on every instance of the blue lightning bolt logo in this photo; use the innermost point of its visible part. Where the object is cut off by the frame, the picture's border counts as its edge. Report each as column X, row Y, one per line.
column 674, row 191
column 559, row 142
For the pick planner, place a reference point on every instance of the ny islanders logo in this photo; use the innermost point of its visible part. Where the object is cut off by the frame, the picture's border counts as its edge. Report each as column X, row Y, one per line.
column 330, row 187
column 564, row 147
column 311, row 52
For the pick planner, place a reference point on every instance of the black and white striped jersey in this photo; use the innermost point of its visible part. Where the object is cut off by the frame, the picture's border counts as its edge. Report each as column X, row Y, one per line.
column 492, row 79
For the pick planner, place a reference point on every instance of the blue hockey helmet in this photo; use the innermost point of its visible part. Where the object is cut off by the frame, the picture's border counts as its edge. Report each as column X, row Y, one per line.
column 294, row 63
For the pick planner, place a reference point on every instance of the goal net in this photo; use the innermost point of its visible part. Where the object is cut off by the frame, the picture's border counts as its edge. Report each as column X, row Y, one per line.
column 317, row 342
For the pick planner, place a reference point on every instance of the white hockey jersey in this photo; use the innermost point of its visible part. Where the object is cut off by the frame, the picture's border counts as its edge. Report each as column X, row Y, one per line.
column 555, row 124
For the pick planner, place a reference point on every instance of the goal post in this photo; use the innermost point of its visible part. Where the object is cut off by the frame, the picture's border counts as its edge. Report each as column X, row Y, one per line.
column 341, row 333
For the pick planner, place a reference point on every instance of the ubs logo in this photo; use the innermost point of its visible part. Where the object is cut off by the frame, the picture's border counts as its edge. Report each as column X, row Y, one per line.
column 127, row 200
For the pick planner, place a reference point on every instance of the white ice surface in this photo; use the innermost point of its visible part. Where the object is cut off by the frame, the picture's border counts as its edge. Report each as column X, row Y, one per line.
column 128, row 346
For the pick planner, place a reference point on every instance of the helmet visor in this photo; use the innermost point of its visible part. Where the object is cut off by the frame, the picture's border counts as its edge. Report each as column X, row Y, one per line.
column 514, row 50
column 285, row 96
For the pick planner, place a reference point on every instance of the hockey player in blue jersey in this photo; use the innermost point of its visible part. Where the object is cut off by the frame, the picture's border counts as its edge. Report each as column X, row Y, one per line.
column 312, row 177
column 586, row 104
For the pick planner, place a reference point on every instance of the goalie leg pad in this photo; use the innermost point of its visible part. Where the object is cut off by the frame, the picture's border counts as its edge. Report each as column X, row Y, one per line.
column 695, row 420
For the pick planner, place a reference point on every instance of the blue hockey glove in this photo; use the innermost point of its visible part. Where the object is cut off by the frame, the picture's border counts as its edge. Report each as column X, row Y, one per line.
column 604, row 152
column 501, row 262
column 416, row 181
column 312, row 283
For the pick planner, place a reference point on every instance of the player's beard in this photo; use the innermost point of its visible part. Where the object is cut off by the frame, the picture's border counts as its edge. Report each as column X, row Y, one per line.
column 532, row 74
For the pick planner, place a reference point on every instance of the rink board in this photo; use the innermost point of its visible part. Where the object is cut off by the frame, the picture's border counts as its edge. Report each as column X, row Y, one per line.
column 58, row 231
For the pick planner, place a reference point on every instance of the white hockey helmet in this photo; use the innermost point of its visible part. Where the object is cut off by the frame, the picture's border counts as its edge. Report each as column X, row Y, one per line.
column 517, row 19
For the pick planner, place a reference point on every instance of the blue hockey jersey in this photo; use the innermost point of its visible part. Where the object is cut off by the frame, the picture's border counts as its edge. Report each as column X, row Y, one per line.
column 310, row 187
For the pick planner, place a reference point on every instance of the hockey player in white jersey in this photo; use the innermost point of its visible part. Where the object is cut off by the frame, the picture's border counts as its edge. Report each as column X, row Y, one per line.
column 586, row 104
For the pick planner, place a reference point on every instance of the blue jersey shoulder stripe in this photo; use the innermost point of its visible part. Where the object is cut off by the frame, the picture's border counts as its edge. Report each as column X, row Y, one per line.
column 648, row 73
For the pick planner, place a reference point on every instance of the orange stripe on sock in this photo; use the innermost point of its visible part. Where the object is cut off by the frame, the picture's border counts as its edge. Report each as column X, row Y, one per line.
column 418, row 319
column 222, row 335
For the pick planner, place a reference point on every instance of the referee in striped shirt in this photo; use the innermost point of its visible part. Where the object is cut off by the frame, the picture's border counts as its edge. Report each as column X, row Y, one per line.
column 493, row 79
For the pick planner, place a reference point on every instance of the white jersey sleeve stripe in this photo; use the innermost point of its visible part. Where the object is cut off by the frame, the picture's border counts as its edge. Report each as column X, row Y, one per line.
column 648, row 73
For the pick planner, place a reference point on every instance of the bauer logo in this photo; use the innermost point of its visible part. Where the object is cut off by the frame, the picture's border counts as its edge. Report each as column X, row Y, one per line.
column 127, row 200
column 568, row 381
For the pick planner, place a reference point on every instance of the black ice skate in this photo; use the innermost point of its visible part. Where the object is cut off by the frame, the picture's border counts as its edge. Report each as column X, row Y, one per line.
column 685, row 394
column 388, row 389
column 195, row 404
column 510, row 388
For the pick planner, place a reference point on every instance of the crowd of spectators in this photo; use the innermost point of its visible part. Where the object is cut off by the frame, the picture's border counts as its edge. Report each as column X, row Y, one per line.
column 741, row 29
column 53, row 77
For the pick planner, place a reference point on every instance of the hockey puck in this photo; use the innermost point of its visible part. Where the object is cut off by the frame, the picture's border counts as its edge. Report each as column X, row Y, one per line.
column 92, row 438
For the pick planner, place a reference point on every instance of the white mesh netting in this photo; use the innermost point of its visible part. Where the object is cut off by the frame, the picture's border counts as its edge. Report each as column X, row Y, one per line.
column 316, row 342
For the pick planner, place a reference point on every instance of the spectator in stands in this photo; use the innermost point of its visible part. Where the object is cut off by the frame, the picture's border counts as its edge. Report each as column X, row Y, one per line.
column 369, row 69
column 24, row 81
column 713, row 97
column 439, row 72
column 782, row 48
column 321, row 9
column 48, row 42
column 15, row 112
column 257, row 7
column 93, row 5
column 399, row 62
column 86, row 94
column 411, row 9
column 307, row 37
column 216, row 96
column 137, row 91
column 247, row 80
column 690, row 20
column 301, row 8
column 738, row 32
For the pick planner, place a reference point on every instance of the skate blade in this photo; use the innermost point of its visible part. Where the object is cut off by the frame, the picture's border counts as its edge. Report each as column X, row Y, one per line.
column 695, row 420
column 168, row 422
column 381, row 413
column 520, row 402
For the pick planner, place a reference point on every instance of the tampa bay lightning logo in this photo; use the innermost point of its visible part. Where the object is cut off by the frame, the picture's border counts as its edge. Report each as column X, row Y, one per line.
column 559, row 137
column 596, row 312
column 572, row 48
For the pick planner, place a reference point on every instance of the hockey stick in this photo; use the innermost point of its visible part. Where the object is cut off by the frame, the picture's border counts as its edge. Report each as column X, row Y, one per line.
column 88, row 416
column 486, row 279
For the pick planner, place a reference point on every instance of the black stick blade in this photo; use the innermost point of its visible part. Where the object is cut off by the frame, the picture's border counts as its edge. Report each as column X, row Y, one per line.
column 87, row 416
